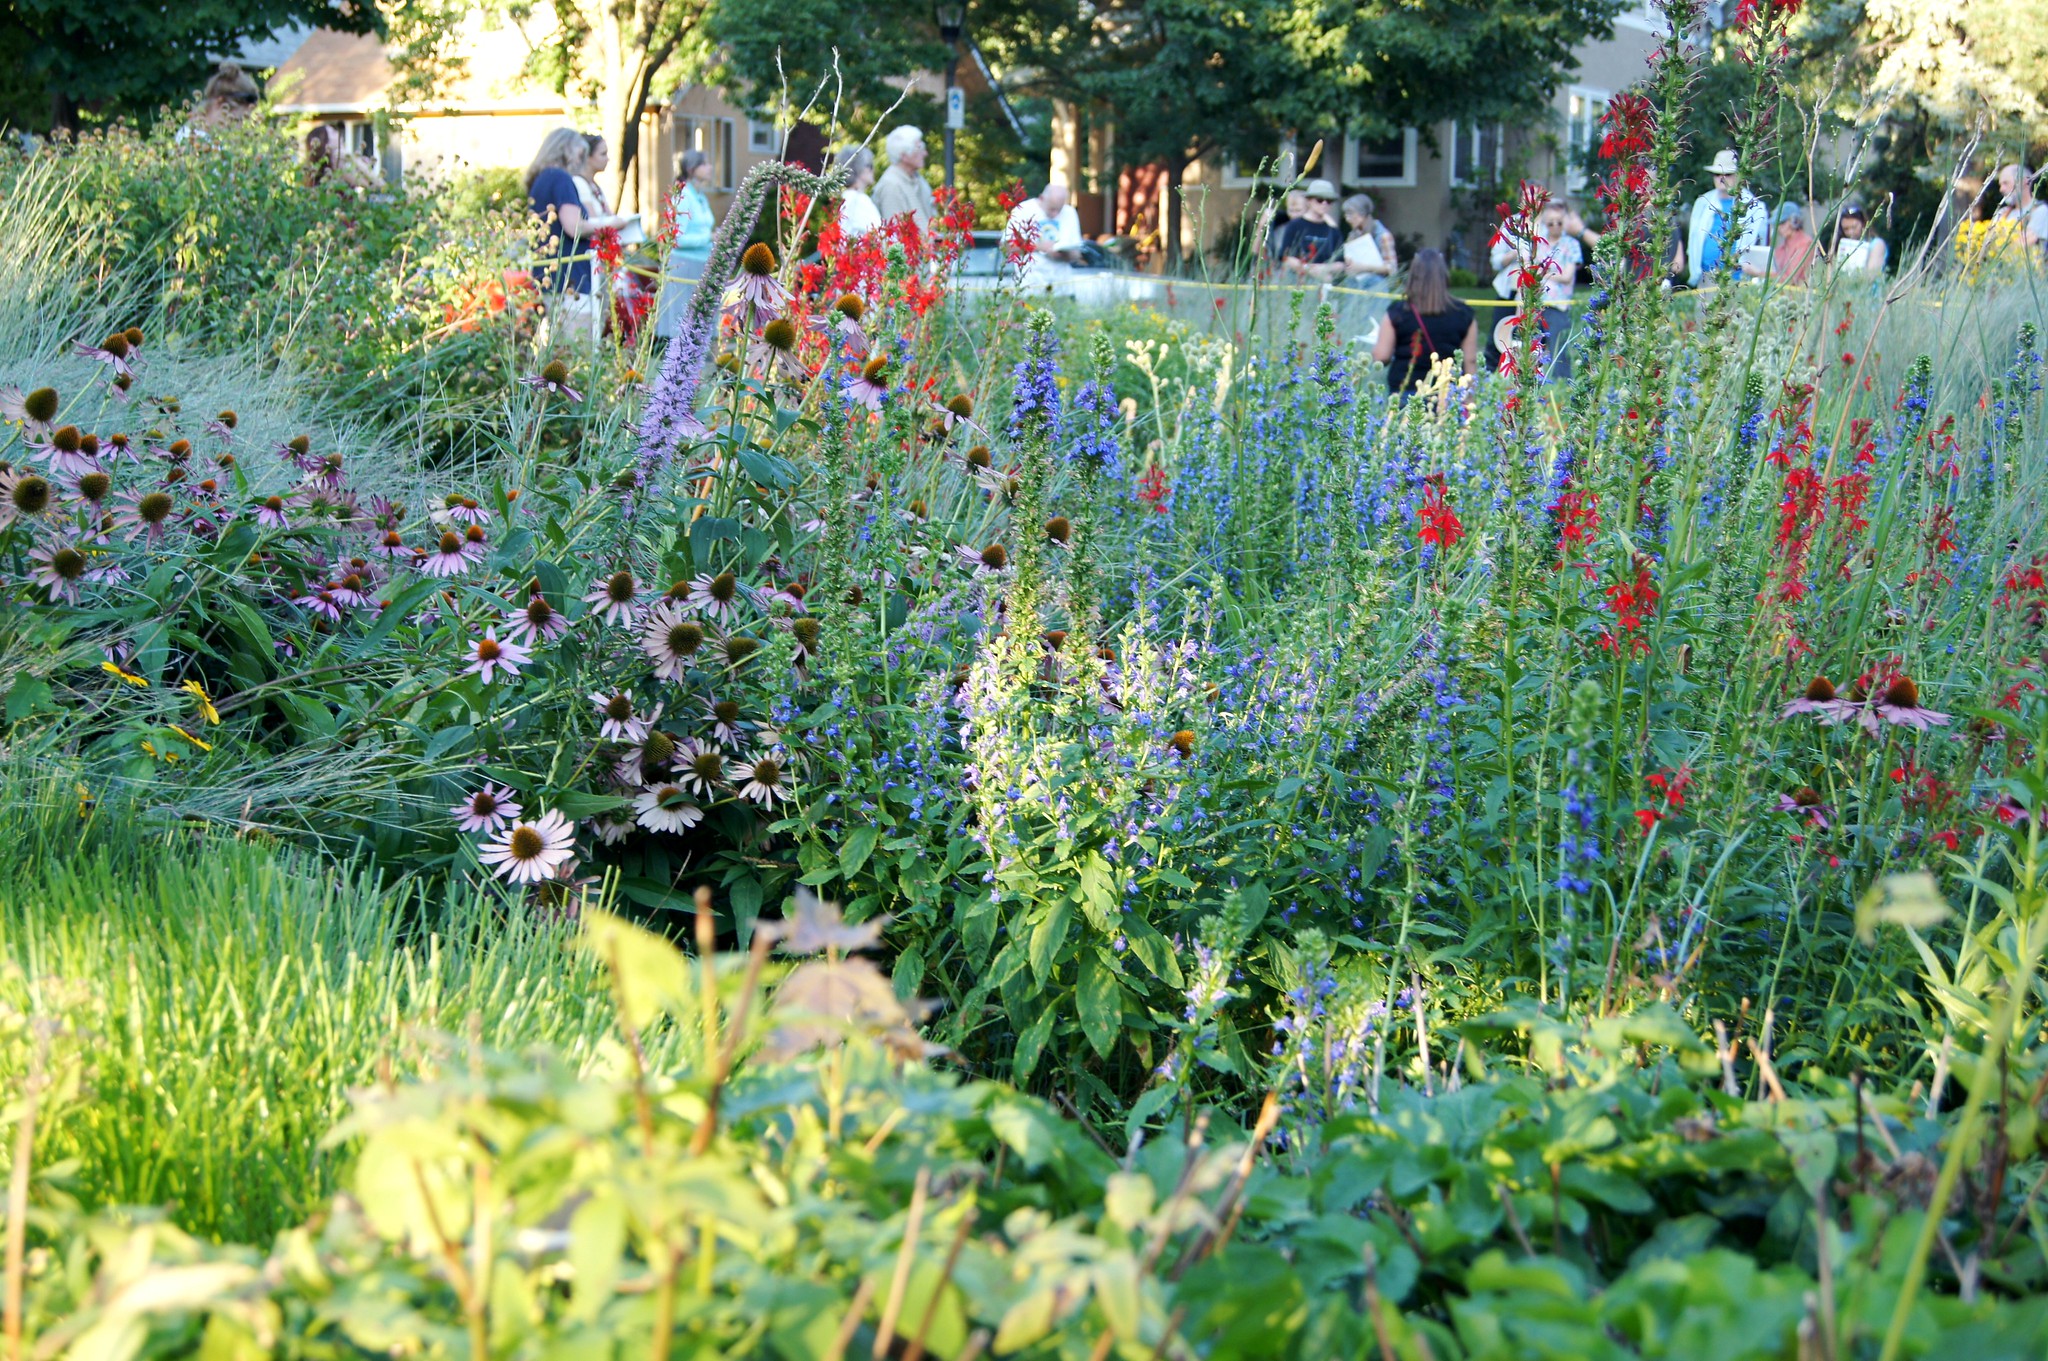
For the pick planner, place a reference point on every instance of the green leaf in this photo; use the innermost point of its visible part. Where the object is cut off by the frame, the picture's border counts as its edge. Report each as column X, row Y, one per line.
column 1030, row 1045
column 1098, row 892
column 1025, row 1126
column 855, row 850
column 581, row 803
column 1154, row 951
column 1116, row 1290
column 1049, row 939
column 651, row 975
column 1813, row 1154
column 28, row 695
column 1101, row 1002
column 1028, row 1320
column 597, row 1248
column 1913, row 901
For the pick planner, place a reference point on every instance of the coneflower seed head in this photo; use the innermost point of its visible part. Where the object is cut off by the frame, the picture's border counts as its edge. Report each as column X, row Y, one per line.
column 780, row 334
column 850, row 306
column 41, row 405
column 1821, row 691
column 68, row 438
column 758, row 260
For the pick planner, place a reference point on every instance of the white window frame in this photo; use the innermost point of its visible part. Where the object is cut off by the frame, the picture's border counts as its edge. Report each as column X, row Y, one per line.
column 763, row 138
column 1576, row 174
column 1285, row 156
column 1405, row 180
column 725, row 153
column 1458, row 130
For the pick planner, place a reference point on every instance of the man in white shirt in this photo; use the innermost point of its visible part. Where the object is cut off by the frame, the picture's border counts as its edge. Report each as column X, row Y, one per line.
column 2016, row 187
column 1721, row 230
column 903, row 189
column 1046, row 232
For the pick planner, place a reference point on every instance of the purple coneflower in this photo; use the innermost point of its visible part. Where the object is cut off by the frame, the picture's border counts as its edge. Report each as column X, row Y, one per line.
column 762, row 778
column 114, row 352
column 222, row 427
column 298, row 451
column 450, row 557
column 25, row 496
column 700, row 766
column 534, row 622
column 617, row 598
column 646, row 762
column 529, row 852
column 717, row 596
column 475, row 544
column 754, row 298
column 666, row 808
column 68, row 450
column 844, row 325
column 1805, row 801
column 806, row 632
column 146, row 514
column 33, row 411
column 486, row 810
column 59, row 567
column 270, row 513
column 868, row 385
column 391, row 544
column 461, row 510
column 553, row 377
column 490, row 656
column 323, row 604
column 610, row 831
column 619, row 720
column 671, row 640
column 1820, row 700
column 724, row 715
column 352, row 588
column 1900, row 704
column 992, row 561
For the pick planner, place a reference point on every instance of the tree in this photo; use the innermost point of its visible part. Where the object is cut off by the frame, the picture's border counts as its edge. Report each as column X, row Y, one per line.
column 1187, row 78
column 128, row 58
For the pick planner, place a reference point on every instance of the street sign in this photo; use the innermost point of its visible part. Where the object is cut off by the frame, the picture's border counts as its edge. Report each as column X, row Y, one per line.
column 956, row 107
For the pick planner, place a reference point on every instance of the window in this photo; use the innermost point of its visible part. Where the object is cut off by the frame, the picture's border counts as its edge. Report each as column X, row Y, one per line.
column 361, row 138
column 1584, row 108
column 763, row 139
column 1475, row 154
column 725, row 165
column 1382, row 160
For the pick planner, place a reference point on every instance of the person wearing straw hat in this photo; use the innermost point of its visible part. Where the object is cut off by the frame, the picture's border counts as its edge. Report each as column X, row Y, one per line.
column 1721, row 228
column 1313, row 243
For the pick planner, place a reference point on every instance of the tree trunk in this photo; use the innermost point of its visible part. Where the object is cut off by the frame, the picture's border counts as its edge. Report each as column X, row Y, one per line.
column 1169, row 215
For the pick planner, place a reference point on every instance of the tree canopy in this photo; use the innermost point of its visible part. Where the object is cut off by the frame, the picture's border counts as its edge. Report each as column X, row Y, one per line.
column 128, row 58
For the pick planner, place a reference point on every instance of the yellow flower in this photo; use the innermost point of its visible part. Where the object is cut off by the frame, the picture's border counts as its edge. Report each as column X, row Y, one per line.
column 86, row 802
column 129, row 676
column 206, row 709
column 203, row 746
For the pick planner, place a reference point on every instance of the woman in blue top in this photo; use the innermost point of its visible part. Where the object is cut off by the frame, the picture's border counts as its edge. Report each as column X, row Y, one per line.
column 551, row 192
column 691, row 249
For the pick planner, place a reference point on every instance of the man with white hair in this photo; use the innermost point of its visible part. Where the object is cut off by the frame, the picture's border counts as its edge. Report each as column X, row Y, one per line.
column 902, row 188
column 1043, row 234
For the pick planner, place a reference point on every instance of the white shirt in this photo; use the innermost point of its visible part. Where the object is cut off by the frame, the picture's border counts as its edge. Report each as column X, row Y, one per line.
column 1060, row 231
column 857, row 214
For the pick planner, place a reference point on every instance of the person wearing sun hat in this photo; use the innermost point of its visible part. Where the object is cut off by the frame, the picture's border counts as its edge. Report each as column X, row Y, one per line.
column 1312, row 243
column 1722, row 229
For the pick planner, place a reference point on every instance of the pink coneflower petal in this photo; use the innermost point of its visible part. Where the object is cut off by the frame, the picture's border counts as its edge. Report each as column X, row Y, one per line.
column 147, row 515
column 489, row 655
column 59, row 568
column 529, row 852
column 762, row 778
column 671, row 640
column 666, row 808
column 486, row 810
column 1900, row 704
column 619, row 720
column 724, row 717
column 617, row 598
column 700, row 767
column 536, row 621
column 450, row 557
column 717, row 596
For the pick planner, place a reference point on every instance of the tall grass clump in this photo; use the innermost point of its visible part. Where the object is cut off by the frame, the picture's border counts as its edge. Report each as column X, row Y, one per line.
column 229, row 993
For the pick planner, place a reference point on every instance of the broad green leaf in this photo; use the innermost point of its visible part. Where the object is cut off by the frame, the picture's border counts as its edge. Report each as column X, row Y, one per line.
column 650, row 975
column 1100, row 1000
column 1813, row 1154
column 1028, row 1320
column 1031, row 1044
column 1116, row 1290
column 1048, row 939
column 1910, row 900
column 855, row 850
column 597, row 1248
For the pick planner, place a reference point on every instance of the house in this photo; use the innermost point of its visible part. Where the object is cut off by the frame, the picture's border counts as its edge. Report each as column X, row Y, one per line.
column 1435, row 188
column 490, row 117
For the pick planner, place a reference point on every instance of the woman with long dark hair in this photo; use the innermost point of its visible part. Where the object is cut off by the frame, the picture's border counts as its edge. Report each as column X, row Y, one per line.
column 1428, row 325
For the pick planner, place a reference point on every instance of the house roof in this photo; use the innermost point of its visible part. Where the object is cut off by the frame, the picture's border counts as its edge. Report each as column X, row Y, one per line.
column 349, row 73
column 334, row 73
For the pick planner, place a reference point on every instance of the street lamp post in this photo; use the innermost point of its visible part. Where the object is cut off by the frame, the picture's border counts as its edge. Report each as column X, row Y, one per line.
column 952, row 19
